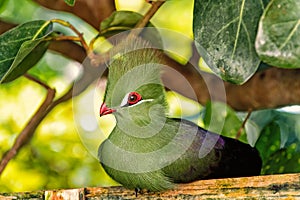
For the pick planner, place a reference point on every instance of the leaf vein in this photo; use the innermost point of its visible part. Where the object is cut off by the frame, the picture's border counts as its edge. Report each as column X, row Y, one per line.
column 2, row 61
column 238, row 29
column 290, row 35
column 248, row 38
column 224, row 27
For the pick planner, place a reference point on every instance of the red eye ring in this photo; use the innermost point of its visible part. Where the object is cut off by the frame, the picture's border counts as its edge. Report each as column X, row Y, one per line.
column 133, row 98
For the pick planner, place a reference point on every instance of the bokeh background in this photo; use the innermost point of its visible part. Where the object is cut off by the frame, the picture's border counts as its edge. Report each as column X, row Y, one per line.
column 56, row 157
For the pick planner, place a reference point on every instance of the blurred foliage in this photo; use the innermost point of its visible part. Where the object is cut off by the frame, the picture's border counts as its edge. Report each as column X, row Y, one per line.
column 57, row 156
column 62, row 153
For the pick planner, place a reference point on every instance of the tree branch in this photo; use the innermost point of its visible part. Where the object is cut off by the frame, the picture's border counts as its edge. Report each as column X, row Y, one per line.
column 281, row 186
column 29, row 129
column 271, row 88
column 5, row 26
column 144, row 21
column 91, row 11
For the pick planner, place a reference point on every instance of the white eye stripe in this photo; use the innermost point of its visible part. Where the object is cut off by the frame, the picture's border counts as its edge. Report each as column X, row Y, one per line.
column 141, row 101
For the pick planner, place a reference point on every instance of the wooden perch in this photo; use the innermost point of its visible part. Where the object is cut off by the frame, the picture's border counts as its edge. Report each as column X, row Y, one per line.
column 284, row 186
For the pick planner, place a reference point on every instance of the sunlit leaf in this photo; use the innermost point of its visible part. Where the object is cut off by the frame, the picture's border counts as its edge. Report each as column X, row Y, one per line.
column 253, row 132
column 278, row 37
column 20, row 50
column 225, row 34
column 220, row 118
column 120, row 21
column 3, row 4
column 70, row 2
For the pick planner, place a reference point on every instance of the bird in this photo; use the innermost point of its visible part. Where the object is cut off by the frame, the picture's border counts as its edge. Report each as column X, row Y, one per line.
column 149, row 150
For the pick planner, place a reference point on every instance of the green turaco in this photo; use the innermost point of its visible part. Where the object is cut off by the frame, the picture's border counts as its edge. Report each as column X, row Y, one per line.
column 149, row 150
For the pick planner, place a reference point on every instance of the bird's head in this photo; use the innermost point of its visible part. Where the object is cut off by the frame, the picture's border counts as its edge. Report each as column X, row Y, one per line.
column 134, row 92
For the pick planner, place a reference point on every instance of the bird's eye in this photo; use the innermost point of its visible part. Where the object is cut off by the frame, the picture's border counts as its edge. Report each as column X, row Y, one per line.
column 133, row 98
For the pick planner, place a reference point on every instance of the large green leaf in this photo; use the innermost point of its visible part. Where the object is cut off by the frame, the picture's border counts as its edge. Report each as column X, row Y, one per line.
column 225, row 33
column 21, row 49
column 278, row 37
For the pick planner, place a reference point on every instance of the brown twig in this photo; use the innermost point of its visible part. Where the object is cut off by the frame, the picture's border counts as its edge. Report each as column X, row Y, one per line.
column 79, row 34
column 29, row 129
column 239, row 132
column 34, row 79
column 26, row 134
column 144, row 21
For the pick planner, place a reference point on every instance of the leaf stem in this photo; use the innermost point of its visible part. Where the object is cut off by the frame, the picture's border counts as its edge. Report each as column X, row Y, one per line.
column 79, row 34
column 239, row 132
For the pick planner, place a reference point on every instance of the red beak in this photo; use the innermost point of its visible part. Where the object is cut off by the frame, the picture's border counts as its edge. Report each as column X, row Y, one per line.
column 104, row 110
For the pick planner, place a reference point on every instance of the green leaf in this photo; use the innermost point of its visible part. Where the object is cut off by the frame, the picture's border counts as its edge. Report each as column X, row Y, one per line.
column 278, row 37
column 70, row 2
column 225, row 33
column 3, row 4
column 279, row 141
column 121, row 21
column 268, row 142
column 257, row 122
column 220, row 118
column 253, row 132
column 20, row 50
column 284, row 161
column 288, row 124
column 275, row 159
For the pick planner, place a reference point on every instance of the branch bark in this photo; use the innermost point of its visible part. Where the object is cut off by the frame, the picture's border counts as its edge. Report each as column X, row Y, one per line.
column 270, row 88
column 258, row 187
column 91, row 11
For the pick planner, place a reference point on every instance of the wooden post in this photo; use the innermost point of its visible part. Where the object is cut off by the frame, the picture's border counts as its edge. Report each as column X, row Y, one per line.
column 284, row 186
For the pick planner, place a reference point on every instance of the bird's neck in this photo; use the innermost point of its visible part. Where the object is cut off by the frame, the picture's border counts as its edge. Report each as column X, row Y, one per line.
column 145, row 138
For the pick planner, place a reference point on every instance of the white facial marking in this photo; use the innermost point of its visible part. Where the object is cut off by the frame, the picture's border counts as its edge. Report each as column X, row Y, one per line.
column 125, row 99
column 141, row 101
